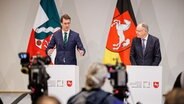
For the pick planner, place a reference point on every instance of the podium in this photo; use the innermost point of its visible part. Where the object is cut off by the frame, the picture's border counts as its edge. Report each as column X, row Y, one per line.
column 63, row 82
column 145, row 84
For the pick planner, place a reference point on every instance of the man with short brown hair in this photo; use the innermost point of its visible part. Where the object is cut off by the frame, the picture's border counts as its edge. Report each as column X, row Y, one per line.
column 66, row 42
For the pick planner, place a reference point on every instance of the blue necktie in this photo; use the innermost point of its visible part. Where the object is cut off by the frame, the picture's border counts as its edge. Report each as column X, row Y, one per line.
column 143, row 45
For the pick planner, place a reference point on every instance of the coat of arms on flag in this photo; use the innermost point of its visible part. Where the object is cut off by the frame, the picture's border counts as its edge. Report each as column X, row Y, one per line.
column 121, row 33
column 46, row 23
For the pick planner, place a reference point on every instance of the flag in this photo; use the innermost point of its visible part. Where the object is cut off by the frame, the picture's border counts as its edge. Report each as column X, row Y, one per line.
column 46, row 23
column 121, row 33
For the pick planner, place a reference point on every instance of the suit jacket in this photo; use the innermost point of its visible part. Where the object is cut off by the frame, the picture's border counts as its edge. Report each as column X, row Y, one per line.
column 94, row 96
column 66, row 54
column 152, row 54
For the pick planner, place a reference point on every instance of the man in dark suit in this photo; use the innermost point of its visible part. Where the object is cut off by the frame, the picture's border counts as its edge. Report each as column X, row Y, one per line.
column 66, row 42
column 145, row 49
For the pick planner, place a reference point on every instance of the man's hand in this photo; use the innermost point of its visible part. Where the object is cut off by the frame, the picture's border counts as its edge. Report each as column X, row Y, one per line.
column 50, row 51
column 81, row 52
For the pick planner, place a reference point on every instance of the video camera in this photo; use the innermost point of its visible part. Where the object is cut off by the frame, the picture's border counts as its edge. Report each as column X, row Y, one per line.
column 118, row 78
column 35, row 68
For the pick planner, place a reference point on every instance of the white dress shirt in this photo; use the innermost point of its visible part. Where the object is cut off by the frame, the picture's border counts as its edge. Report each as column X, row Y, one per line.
column 63, row 32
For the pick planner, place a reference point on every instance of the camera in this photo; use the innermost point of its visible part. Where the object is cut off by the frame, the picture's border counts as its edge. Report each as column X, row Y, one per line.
column 37, row 75
column 118, row 79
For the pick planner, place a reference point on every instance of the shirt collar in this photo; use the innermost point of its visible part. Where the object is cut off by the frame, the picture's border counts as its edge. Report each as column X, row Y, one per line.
column 66, row 32
column 146, row 38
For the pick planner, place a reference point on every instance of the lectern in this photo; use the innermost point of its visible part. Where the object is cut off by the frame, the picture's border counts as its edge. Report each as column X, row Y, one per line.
column 63, row 82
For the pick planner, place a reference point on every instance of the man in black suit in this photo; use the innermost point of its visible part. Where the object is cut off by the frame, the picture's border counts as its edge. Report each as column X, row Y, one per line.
column 145, row 49
column 66, row 42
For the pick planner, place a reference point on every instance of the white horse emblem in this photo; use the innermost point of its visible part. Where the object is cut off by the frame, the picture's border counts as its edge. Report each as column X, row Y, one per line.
column 120, row 30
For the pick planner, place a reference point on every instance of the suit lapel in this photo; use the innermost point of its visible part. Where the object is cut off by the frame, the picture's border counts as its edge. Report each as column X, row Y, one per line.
column 140, row 47
column 62, row 42
column 147, row 45
column 69, row 38
column 62, row 37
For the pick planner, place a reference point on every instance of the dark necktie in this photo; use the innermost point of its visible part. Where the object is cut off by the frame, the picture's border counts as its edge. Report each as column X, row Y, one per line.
column 143, row 45
column 65, row 38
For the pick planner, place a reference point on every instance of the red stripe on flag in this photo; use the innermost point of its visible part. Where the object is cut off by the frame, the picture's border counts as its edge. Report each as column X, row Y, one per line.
column 33, row 49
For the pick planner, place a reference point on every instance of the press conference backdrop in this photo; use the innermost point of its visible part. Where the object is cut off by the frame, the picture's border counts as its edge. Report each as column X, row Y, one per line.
column 92, row 19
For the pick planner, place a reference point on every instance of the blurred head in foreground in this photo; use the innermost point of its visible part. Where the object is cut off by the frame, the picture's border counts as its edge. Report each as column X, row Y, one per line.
column 48, row 100
column 175, row 96
column 96, row 75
